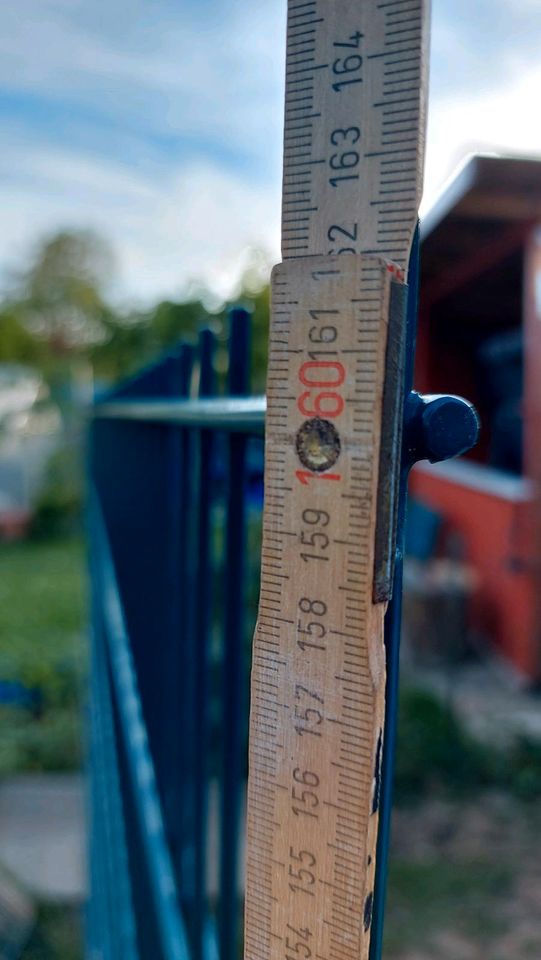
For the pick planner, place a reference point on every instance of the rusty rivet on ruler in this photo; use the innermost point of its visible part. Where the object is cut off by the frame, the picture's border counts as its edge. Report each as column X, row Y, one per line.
column 317, row 444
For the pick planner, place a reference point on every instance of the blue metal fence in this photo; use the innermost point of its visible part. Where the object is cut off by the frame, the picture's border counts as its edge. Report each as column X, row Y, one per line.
column 176, row 492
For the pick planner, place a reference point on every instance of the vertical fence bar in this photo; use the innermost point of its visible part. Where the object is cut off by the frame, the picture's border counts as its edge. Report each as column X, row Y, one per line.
column 174, row 666
column 110, row 911
column 170, row 942
column 203, row 605
column 392, row 635
column 161, row 531
column 133, row 466
column 111, row 849
column 100, row 941
column 190, row 509
column 233, row 677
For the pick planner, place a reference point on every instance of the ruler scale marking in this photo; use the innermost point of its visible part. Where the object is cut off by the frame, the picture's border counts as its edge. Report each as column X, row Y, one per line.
column 354, row 140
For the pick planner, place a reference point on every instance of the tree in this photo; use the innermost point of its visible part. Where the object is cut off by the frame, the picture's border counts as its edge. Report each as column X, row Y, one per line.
column 126, row 346
column 171, row 322
column 134, row 340
column 59, row 316
column 17, row 345
column 61, row 294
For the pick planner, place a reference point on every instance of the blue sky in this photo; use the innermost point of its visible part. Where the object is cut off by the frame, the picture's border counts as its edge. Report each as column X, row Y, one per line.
column 158, row 123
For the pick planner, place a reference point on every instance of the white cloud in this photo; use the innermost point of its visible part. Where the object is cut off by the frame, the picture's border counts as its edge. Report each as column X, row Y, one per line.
column 167, row 135
column 199, row 227
column 195, row 224
column 501, row 121
column 167, row 74
column 175, row 128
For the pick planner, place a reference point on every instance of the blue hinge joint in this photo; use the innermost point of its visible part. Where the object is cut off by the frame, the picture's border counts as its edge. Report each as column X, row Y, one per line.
column 438, row 427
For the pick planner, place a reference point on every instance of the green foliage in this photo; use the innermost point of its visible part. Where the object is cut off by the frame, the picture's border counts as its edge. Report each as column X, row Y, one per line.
column 57, row 934
column 432, row 748
column 59, row 503
column 36, row 743
column 59, row 311
column 60, row 293
column 17, row 345
column 522, row 769
column 41, row 616
column 435, row 752
column 168, row 321
column 126, row 345
column 132, row 341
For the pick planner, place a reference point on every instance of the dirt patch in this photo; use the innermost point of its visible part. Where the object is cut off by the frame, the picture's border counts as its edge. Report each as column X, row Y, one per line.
column 465, row 881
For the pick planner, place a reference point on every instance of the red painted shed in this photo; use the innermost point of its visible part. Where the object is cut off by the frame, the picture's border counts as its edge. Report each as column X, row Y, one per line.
column 480, row 337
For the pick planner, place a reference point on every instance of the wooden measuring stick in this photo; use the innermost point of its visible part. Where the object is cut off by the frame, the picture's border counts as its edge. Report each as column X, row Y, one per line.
column 354, row 134
column 352, row 179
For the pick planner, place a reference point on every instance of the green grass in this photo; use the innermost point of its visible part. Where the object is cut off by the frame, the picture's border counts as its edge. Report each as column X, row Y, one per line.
column 435, row 753
column 56, row 935
column 42, row 623
column 42, row 615
column 425, row 897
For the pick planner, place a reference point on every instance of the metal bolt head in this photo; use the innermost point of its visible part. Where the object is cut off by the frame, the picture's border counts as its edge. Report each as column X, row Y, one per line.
column 449, row 427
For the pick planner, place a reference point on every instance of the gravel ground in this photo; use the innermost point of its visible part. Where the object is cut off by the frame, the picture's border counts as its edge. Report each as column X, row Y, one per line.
column 465, row 881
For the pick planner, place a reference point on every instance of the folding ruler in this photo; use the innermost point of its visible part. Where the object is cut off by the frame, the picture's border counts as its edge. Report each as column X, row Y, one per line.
column 353, row 154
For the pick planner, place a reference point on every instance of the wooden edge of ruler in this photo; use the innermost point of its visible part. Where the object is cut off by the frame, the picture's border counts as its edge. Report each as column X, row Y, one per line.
column 318, row 675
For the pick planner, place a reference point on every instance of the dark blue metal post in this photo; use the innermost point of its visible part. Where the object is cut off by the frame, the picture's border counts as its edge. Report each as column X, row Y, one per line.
column 114, row 931
column 435, row 428
column 392, row 639
column 203, row 608
column 177, row 567
column 234, row 665
column 161, row 935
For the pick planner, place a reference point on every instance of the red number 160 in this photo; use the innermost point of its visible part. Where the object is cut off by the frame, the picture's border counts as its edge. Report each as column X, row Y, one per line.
column 326, row 403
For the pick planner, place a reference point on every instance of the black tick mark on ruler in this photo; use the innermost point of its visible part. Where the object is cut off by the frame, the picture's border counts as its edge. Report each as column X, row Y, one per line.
column 377, row 774
column 368, row 904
